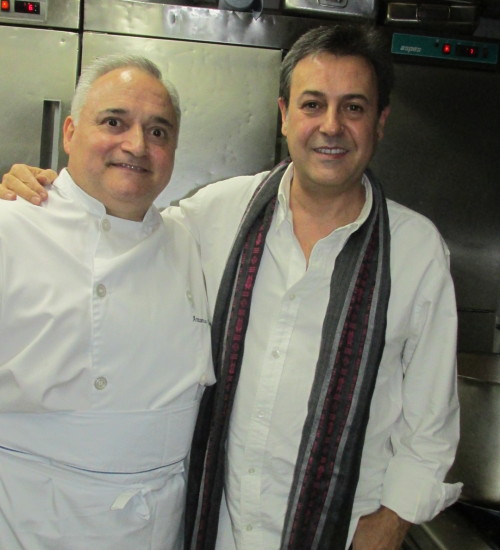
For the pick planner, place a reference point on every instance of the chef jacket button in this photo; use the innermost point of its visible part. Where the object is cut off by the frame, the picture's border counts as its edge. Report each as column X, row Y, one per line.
column 275, row 353
column 100, row 290
column 106, row 225
column 251, row 470
column 100, row 383
column 249, row 527
column 189, row 296
column 291, row 297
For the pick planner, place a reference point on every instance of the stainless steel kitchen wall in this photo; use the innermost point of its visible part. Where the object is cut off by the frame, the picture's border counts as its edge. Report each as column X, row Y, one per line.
column 441, row 156
column 228, row 100
column 38, row 68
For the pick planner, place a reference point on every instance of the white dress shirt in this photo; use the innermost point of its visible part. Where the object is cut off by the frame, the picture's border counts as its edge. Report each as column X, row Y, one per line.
column 105, row 352
column 413, row 429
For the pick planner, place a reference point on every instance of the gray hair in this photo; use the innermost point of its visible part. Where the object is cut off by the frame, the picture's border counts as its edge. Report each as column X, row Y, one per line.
column 105, row 64
column 343, row 39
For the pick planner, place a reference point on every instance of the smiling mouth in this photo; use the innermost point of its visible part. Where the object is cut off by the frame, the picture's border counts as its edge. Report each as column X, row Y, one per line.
column 330, row 150
column 128, row 166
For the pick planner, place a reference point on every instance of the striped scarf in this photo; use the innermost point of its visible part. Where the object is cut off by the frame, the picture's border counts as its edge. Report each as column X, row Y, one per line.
column 327, row 467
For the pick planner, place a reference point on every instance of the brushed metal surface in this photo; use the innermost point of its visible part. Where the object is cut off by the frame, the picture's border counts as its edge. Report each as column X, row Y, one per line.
column 351, row 9
column 157, row 19
column 477, row 463
column 36, row 65
column 440, row 157
column 64, row 14
column 228, row 100
column 447, row 531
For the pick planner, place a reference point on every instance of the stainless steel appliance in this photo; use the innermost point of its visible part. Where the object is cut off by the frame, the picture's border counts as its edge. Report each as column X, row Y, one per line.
column 228, row 93
column 440, row 157
column 40, row 46
column 478, row 460
column 352, row 9
column 457, row 16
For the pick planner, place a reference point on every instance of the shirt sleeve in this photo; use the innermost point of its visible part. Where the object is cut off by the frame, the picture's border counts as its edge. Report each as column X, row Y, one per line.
column 425, row 437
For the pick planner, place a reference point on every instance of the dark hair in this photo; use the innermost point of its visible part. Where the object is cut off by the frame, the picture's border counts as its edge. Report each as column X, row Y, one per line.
column 343, row 39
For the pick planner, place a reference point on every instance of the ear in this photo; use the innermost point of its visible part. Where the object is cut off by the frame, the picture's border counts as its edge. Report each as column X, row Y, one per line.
column 381, row 122
column 284, row 111
column 68, row 132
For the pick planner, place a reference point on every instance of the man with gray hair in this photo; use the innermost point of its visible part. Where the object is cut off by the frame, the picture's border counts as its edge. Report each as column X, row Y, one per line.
column 104, row 359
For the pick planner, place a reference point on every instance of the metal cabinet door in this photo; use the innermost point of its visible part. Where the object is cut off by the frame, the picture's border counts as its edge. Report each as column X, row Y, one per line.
column 38, row 68
column 228, row 100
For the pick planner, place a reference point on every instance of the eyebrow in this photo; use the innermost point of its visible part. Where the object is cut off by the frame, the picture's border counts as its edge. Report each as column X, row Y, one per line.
column 117, row 111
column 316, row 93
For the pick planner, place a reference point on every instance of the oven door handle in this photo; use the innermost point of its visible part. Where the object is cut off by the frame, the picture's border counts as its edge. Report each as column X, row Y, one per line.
column 51, row 132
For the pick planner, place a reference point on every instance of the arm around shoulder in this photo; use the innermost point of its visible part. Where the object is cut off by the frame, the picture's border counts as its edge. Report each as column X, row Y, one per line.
column 27, row 182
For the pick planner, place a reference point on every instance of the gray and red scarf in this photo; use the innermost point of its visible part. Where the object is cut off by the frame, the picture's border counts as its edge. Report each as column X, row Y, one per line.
column 327, row 467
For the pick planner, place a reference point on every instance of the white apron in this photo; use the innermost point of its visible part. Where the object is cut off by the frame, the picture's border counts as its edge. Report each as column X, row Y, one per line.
column 124, row 491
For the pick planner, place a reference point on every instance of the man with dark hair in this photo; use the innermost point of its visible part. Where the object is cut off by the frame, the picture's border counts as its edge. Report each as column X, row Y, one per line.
column 335, row 415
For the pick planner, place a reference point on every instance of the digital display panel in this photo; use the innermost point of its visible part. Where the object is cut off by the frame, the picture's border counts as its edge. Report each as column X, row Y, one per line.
column 449, row 49
column 27, row 7
column 467, row 51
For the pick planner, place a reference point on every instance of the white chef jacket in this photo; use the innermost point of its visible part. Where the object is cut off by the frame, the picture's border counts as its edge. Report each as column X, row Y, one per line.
column 413, row 429
column 104, row 354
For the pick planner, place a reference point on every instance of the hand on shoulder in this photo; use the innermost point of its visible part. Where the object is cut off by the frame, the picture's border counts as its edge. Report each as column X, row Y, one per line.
column 27, row 182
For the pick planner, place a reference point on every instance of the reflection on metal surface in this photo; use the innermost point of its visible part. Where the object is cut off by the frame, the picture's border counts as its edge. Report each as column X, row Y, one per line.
column 477, row 463
column 228, row 100
column 441, row 160
column 353, row 9
column 45, row 62
column 62, row 14
column 146, row 18
column 450, row 530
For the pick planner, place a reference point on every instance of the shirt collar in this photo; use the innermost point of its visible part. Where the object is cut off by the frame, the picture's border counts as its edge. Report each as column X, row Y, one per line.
column 67, row 187
column 284, row 213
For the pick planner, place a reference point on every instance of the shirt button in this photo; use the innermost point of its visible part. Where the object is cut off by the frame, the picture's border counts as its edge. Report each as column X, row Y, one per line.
column 100, row 290
column 106, row 225
column 190, row 297
column 249, row 527
column 275, row 353
column 251, row 470
column 291, row 297
column 100, row 383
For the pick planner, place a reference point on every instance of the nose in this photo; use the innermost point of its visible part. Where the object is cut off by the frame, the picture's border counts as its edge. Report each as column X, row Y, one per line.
column 331, row 123
column 134, row 141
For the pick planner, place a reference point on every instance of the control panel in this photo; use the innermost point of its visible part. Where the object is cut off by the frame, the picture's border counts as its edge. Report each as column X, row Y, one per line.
column 451, row 49
column 17, row 10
